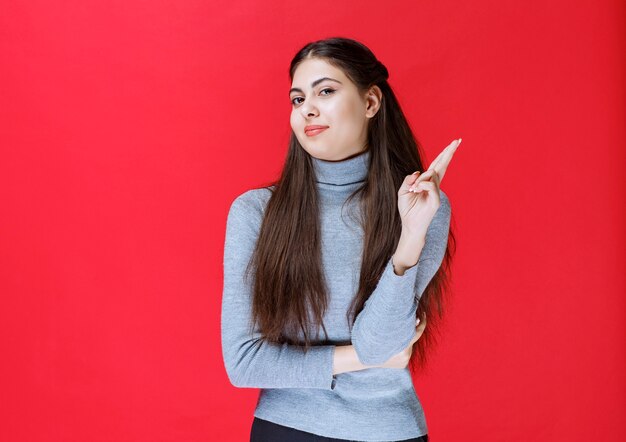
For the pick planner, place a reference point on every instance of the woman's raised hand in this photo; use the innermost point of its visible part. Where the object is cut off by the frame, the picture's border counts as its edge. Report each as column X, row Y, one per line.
column 418, row 197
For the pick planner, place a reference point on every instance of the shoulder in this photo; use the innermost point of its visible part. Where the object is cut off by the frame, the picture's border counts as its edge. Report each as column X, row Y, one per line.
column 245, row 215
column 251, row 203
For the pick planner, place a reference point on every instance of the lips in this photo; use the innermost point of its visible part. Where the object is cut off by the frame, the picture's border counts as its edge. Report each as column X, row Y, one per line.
column 314, row 130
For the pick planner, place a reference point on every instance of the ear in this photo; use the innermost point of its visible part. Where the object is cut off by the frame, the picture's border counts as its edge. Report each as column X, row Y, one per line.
column 373, row 100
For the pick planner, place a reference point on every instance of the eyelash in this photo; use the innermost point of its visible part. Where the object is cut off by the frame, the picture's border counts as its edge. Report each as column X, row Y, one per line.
column 325, row 89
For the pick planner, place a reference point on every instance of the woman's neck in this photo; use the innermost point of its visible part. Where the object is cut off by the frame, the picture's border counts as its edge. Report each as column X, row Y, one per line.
column 348, row 171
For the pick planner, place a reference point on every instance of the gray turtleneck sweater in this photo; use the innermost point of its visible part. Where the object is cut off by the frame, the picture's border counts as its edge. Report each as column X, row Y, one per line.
column 298, row 389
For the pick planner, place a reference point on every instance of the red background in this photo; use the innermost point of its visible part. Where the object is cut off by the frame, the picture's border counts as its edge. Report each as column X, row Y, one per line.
column 128, row 127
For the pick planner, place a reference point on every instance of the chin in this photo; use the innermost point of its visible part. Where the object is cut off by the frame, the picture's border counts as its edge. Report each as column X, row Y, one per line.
column 322, row 154
column 316, row 151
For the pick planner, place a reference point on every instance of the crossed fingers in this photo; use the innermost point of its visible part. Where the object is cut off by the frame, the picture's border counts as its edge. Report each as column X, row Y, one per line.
column 438, row 167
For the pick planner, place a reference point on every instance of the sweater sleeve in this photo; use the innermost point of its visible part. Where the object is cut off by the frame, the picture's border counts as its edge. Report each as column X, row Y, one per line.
column 249, row 361
column 386, row 324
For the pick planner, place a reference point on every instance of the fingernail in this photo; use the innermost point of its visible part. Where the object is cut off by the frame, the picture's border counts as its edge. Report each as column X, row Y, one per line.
column 416, row 172
column 460, row 139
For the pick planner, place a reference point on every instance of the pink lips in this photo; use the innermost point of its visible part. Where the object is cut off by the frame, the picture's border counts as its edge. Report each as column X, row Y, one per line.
column 311, row 131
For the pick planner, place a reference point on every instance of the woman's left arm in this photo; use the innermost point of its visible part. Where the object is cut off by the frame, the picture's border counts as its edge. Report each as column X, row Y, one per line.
column 387, row 322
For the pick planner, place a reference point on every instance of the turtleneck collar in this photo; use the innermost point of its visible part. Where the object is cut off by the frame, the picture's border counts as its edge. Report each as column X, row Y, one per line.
column 349, row 171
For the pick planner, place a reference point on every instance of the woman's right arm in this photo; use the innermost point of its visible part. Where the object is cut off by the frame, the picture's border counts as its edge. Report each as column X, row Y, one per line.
column 346, row 358
column 250, row 361
column 254, row 363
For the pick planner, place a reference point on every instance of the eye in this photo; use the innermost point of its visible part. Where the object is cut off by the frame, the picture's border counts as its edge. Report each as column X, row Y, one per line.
column 330, row 91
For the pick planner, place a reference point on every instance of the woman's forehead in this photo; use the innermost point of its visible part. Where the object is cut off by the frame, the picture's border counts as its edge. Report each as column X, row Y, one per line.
column 311, row 70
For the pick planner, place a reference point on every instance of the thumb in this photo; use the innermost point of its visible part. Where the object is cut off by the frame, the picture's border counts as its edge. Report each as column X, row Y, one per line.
column 409, row 180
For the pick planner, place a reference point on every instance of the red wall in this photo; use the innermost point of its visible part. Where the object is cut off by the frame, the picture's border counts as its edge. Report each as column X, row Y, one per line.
column 127, row 128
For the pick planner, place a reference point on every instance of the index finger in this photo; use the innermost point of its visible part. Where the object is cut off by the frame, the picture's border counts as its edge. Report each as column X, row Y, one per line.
column 440, row 164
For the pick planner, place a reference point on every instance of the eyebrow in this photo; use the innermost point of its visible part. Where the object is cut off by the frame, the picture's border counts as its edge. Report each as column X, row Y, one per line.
column 315, row 83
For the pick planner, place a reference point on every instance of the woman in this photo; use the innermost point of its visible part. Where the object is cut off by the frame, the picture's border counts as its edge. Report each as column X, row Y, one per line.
column 351, row 238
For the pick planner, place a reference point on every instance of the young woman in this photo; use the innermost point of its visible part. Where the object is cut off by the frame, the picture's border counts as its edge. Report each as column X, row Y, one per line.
column 352, row 239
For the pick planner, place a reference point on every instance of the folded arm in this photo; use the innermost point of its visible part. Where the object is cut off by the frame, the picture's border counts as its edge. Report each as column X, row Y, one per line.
column 249, row 361
column 386, row 324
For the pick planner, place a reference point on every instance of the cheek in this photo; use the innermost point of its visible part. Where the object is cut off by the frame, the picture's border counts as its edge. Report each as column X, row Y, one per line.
column 350, row 116
column 296, row 126
column 346, row 111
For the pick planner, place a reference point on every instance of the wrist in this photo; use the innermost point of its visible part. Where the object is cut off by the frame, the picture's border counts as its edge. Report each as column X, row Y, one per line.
column 398, row 267
column 413, row 234
column 407, row 252
column 346, row 360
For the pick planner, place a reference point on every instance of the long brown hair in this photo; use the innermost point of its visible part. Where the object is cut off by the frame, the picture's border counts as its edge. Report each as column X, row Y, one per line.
column 289, row 288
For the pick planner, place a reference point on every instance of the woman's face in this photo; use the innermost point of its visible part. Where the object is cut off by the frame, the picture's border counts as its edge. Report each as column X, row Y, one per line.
column 333, row 103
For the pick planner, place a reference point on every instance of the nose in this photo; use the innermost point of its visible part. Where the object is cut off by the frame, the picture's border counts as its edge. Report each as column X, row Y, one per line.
column 308, row 110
